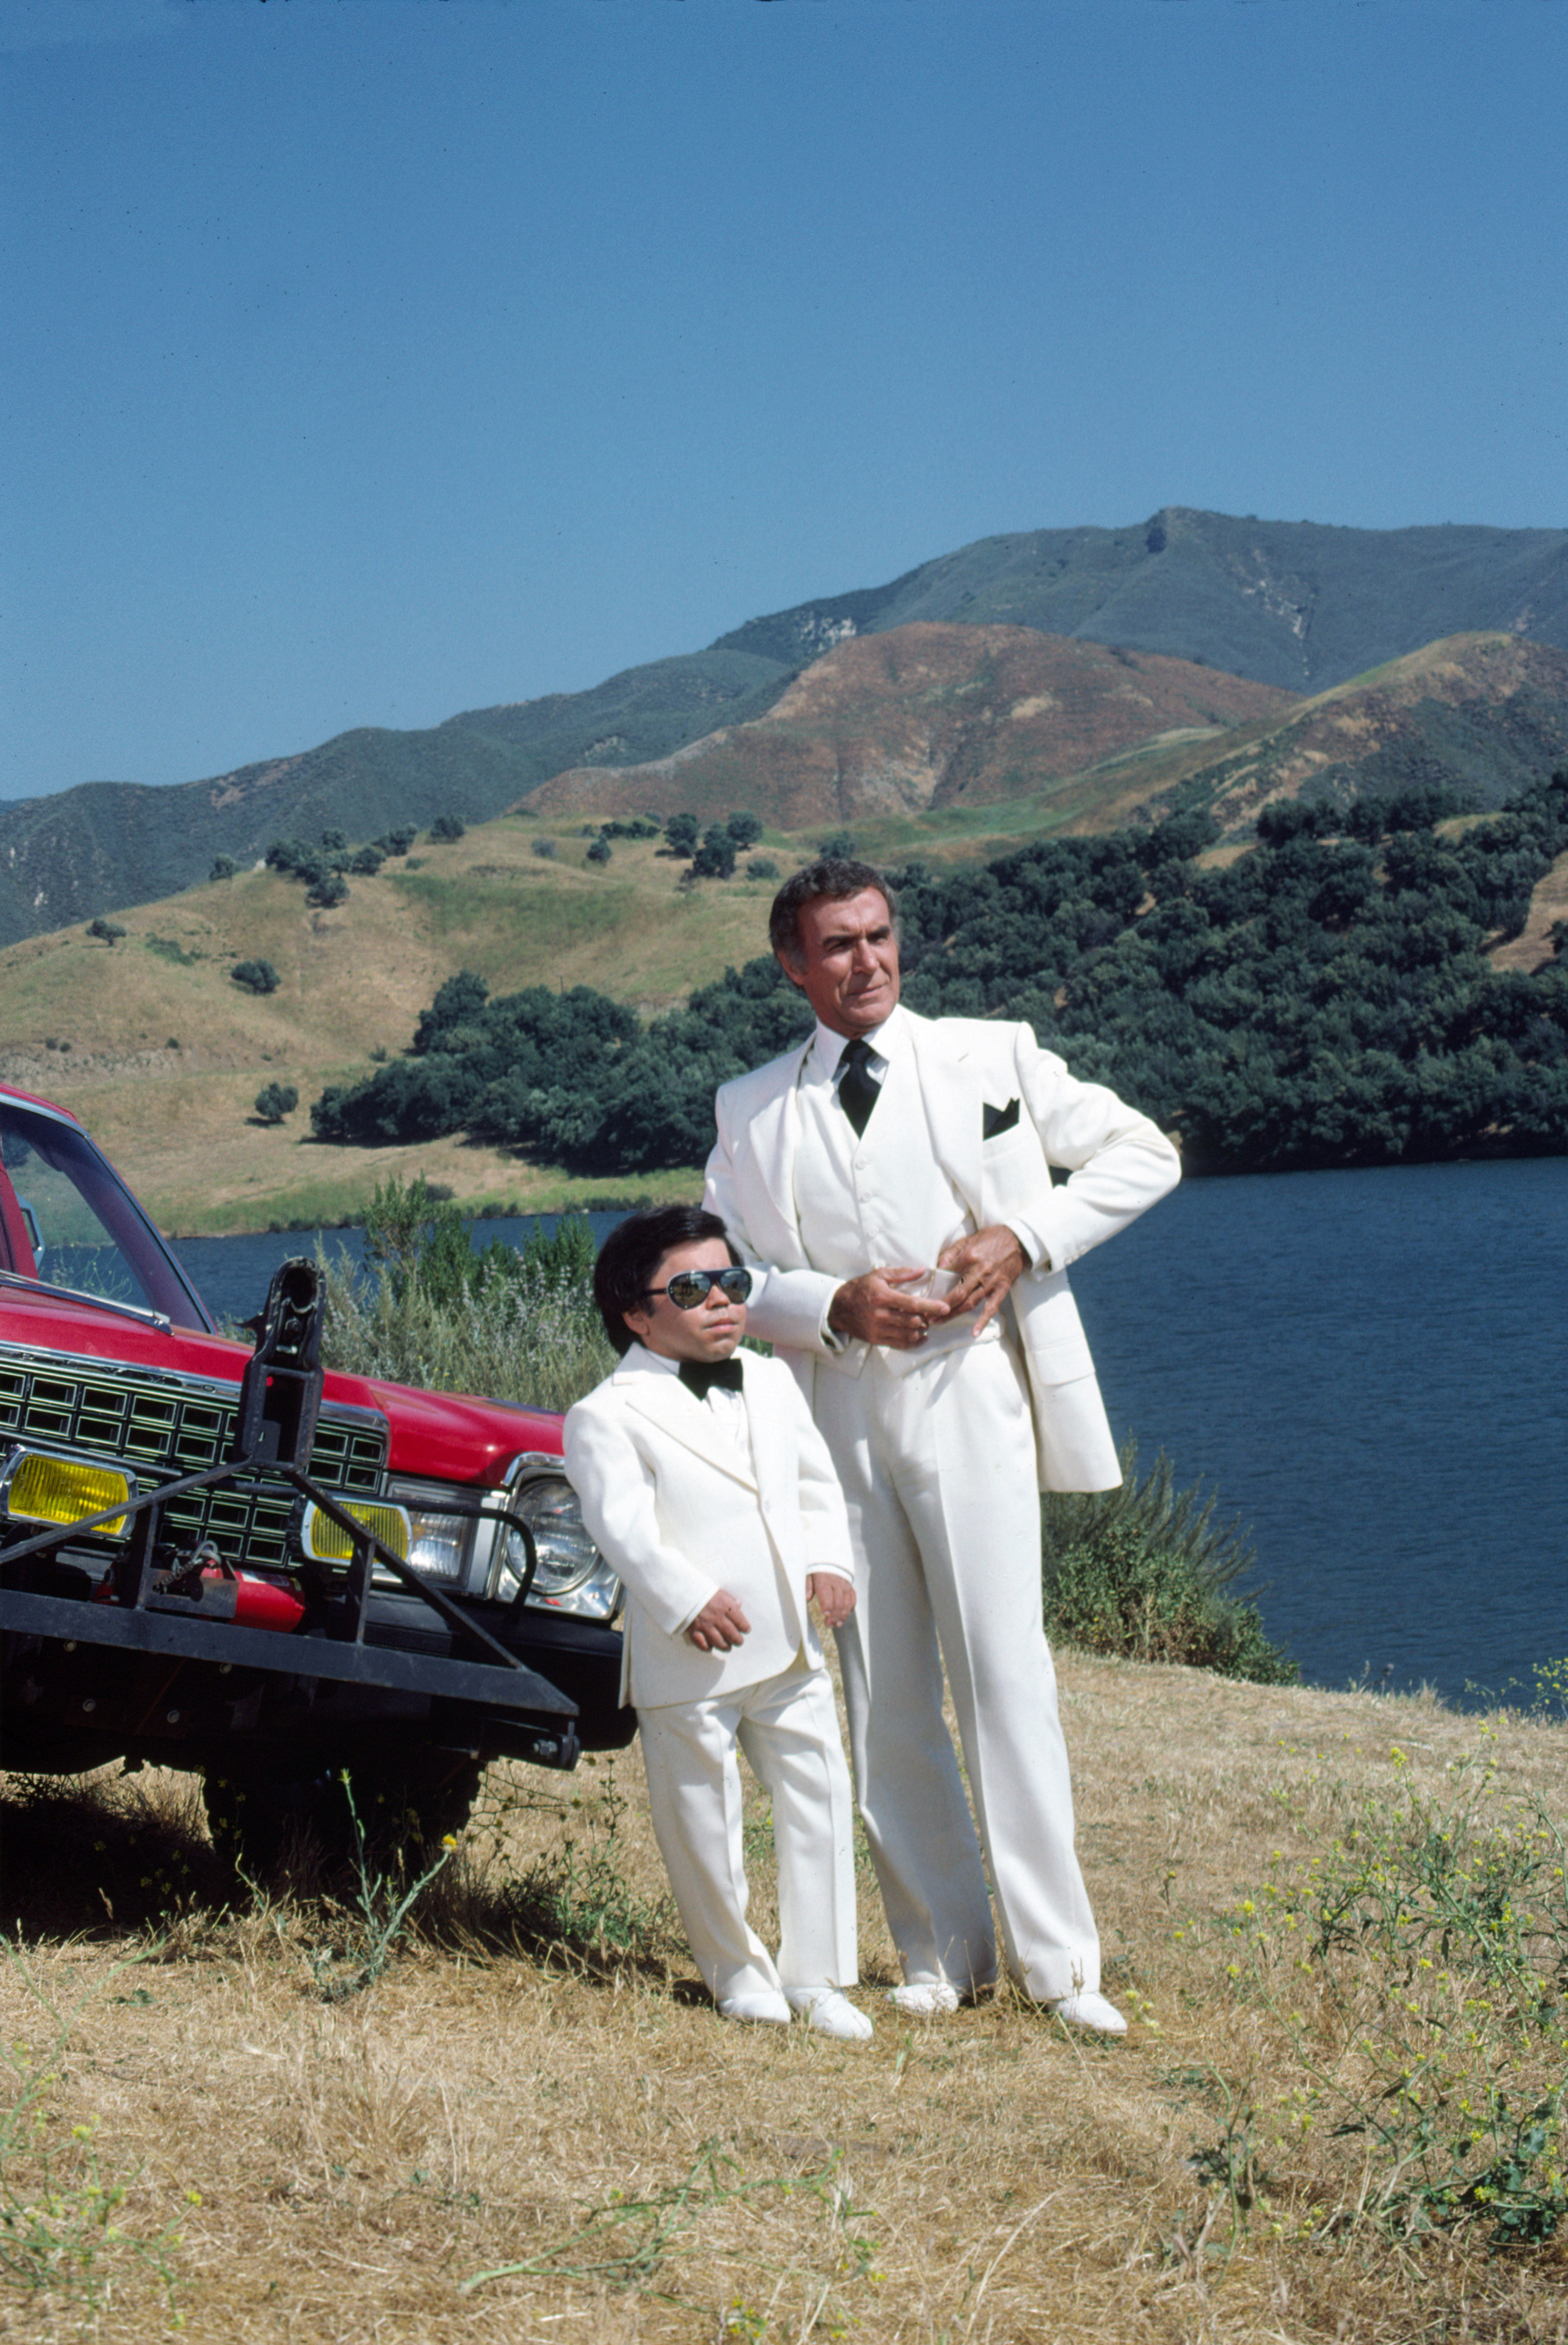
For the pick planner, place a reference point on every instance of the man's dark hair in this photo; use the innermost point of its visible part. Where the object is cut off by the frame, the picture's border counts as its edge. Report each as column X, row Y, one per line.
column 836, row 877
column 632, row 1253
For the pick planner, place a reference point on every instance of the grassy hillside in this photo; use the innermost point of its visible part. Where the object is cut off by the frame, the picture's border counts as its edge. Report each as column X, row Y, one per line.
column 928, row 719
column 161, row 1054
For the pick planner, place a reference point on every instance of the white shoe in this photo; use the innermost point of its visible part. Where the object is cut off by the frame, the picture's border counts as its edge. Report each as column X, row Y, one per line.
column 831, row 2013
column 924, row 1998
column 1092, row 2011
column 767, row 2010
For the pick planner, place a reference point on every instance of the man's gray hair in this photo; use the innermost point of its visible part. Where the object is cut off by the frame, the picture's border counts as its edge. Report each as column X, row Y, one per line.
column 836, row 877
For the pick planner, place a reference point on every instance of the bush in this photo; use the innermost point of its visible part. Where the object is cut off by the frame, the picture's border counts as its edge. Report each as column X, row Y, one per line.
column 544, row 847
column 256, row 976
column 398, row 841
column 680, row 834
column 839, row 847
column 275, row 1101
column 1143, row 1571
column 428, row 1311
column 745, row 827
column 447, row 828
column 108, row 932
column 224, row 866
column 715, row 858
column 329, row 892
column 599, row 851
column 763, row 867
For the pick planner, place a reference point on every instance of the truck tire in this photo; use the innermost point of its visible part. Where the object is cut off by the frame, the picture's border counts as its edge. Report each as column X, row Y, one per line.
column 276, row 1830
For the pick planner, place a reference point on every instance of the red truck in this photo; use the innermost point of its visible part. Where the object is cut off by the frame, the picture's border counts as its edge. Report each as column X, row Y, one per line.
column 233, row 1561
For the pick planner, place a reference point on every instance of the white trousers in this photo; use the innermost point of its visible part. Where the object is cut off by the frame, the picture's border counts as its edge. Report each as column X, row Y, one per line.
column 789, row 1729
column 938, row 1466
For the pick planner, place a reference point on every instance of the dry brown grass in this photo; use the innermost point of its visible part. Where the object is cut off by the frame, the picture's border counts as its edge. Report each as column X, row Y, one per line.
column 347, row 2171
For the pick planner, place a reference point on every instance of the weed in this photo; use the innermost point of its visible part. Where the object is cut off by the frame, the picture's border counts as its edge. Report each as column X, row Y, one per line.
column 61, row 2227
column 1416, row 1970
column 570, row 1903
column 520, row 1326
column 383, row 1906
column 625, row 2243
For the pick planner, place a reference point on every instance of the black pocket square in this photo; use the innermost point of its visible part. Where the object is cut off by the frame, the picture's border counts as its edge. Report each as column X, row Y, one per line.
column 998, row 1118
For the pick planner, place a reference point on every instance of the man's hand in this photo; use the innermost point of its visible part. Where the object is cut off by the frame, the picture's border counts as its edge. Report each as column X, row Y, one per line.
column 833, row 1595
column 876, row 1308
column 720, row 1626
column 985, row 1265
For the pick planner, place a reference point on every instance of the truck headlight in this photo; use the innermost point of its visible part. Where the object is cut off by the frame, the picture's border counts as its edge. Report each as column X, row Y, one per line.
column 572, row 1576
column 438, row 1542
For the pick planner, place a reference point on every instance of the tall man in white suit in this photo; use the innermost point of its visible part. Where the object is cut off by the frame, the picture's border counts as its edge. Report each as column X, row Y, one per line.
column 704, row 1481
column 893, row 1173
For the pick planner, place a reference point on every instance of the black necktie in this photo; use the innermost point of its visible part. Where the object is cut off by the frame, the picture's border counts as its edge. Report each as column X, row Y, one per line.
column 700, row 1376
column 856, row 1092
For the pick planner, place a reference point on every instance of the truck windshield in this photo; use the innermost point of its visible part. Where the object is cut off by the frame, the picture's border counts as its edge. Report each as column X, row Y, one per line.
column 67, row 1220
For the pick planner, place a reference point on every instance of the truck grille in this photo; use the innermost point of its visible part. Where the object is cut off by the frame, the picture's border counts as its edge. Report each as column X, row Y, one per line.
column 168, row 1425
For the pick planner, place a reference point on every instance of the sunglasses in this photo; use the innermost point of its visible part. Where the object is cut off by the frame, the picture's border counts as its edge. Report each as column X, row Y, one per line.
column 688, row 1288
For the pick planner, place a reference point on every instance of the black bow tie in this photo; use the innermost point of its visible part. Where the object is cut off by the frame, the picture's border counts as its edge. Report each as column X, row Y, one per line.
column 858, row 1092
column 700, row 1376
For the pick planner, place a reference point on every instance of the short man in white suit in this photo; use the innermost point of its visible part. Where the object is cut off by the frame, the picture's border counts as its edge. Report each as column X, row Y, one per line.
column 893, row 1173
column 704, row 1481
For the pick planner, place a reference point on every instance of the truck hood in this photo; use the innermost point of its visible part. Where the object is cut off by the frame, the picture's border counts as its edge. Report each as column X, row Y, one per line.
column 445, row 1437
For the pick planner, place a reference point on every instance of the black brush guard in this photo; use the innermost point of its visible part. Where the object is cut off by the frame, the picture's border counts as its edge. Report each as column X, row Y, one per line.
column 493, row 1703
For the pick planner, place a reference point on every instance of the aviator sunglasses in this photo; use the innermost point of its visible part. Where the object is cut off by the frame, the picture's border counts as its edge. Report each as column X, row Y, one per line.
column 688, row 1288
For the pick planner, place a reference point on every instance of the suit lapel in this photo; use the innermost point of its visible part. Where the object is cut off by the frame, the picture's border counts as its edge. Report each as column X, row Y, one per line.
column 951, row 1094
column 676, row 1411
column 771, row 1138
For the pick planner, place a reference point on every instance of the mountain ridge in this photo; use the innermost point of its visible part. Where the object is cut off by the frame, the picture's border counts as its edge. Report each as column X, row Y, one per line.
column 1299, row 606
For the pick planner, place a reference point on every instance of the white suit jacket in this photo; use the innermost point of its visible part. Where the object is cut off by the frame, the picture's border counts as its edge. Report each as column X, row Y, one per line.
column 1119, row 1164
column 668, row 1498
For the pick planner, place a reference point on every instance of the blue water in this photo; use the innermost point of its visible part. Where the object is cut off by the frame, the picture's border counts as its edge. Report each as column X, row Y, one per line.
column 1366, row 1366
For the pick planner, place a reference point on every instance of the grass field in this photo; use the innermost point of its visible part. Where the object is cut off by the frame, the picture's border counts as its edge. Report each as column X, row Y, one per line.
column 533, row 2126
column 162, row 1055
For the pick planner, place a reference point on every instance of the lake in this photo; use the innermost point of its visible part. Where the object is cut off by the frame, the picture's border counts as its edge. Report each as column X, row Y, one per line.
column 1365, row 1367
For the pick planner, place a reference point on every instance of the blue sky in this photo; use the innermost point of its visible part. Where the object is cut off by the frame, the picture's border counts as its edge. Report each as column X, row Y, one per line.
column 365, row 361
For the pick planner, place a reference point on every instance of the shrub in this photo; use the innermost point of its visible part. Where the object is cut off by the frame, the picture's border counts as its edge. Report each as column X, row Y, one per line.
column 1143, row 1571
column 545, row 847
column 599, row 851
column 447, row 828
column 715, row 858
column 224, row 866
column 840, row 846
column 329, row 892
column 109, row 932
column 256, row 976
column 398, row 841
column 366, row 861
column 428, row 1311
column 745, row 827
column 763, row 867
column 680, row 833
column 275, row 1101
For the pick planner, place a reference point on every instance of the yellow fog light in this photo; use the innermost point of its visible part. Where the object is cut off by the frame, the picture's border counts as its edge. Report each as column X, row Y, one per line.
column 325, row 1542
column 42, row 1490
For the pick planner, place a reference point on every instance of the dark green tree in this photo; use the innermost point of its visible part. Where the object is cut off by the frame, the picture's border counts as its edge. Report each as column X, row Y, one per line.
column 256, row 976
